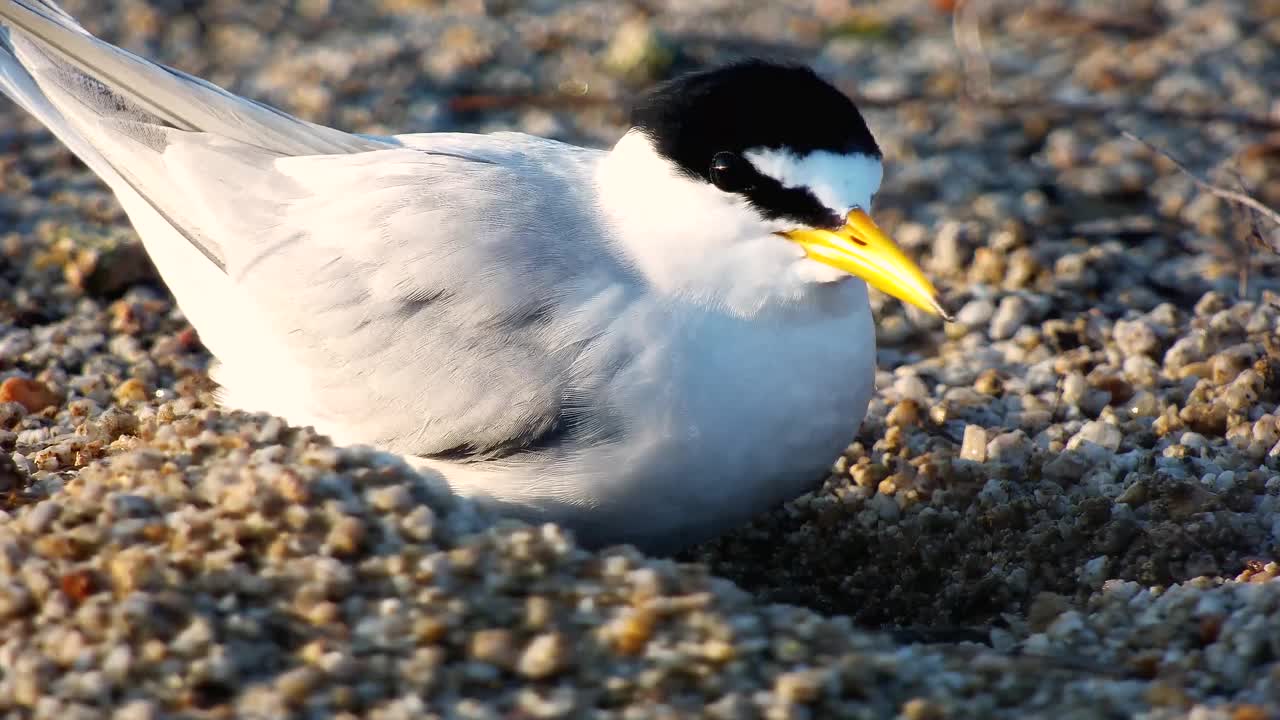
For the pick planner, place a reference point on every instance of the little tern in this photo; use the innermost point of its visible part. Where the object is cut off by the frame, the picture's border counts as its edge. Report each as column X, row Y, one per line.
column 648, row 344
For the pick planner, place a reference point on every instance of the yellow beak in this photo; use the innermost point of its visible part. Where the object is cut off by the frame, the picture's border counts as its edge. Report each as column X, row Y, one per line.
column 861, row 248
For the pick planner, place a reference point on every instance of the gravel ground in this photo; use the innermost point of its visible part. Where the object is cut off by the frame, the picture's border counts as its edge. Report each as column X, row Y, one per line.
column 1067, row 504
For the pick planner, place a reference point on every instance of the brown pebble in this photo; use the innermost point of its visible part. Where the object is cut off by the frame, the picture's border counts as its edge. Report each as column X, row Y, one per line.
column 323, row 614
column 1164, row 695
column 77, row 585
column 1045, row 608
column 30, row 394
column 904, row 414
column 1146, row 664
column 61, row 547
column 893, row 440
column 989, row 382
column 155, row 533
column 1208, row 420
column 346, row 536
column 296, row 685
column 539, row 612
column 974, row 445
column 123, row 318
column 1168, row 422
column 921, row 709
column 132, row 569
column 1210, row 628
column 188, row 338
column 719, row 651
column 430, row 630
column 292, row 487
column 988, row 266
column 131, row 391
column 868, row 475
column 494, row 646
column 631, row 631
column 1135, row 494
column 1249, row 712
column 1113, row 383
column 800, row 687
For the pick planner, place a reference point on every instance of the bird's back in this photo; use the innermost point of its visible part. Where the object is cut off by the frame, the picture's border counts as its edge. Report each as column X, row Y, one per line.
column 373, row 287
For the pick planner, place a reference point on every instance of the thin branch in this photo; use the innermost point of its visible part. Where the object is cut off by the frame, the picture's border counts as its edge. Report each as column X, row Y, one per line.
column 966, row 27
column 966, row 31
column 1142, row 23
column 1087, row 108
column 1255, row 227
column 1255, row 235
column 1216, row 190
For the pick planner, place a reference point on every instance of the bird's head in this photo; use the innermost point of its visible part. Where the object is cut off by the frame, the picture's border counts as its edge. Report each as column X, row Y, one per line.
column 758, row 174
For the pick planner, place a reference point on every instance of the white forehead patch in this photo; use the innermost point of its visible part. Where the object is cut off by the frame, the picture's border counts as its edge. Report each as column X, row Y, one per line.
column 840, row 182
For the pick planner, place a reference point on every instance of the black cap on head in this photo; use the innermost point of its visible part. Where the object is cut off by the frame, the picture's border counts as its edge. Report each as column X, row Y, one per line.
column 706, row 120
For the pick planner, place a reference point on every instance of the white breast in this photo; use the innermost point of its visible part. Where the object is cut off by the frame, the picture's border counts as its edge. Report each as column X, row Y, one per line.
column 726, row 418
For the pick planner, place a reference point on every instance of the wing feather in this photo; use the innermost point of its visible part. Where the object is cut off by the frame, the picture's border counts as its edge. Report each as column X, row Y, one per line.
column 422, row 293
column 430, row 300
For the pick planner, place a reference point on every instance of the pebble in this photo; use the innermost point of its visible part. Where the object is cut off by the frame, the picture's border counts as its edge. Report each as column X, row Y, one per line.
column 1013, row 448
column 911, row 387
column 974, row 446
column 32, row 395
column 1097, row 433
column 976, row 313
column 1011, row 314
column 638, row 51
column 1074, row 389
column 545, row 656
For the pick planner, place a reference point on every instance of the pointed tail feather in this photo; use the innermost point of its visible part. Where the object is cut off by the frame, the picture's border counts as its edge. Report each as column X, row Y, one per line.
column 124, row 81
column 124, row 146
column 118, row 112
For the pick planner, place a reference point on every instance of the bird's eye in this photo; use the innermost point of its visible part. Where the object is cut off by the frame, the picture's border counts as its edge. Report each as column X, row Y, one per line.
column 732, row 173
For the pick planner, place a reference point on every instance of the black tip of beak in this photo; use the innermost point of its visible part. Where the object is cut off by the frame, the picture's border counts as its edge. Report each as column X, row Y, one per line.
column 943, row 311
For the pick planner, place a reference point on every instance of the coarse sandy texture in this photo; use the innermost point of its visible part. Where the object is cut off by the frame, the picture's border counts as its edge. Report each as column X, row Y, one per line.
column 1067, row 504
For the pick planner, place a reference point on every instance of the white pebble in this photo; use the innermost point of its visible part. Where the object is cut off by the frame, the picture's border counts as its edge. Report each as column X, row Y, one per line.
column 1098, row 433
column 1094, row 572
column 911, row 387
column 976, row 312
column 1011, row 315
column 41, row 517
column 974, row 445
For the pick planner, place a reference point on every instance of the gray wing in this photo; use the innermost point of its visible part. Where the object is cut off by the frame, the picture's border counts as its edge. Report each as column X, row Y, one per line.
column 432, row 300
column 436, row 302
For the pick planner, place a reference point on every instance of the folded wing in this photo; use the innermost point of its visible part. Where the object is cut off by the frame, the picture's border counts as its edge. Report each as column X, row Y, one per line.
column 411, row 297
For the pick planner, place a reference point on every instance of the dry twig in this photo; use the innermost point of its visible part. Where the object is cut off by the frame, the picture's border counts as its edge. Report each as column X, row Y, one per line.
column 1231, row 196
column 1255, row 236
column 966, row 30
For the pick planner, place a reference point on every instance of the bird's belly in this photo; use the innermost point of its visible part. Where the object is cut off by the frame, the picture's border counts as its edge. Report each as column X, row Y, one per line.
column 720, row 420
column 746, row 417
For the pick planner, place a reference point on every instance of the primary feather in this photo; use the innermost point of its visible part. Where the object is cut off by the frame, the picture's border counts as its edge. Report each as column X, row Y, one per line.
column 353, row 247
